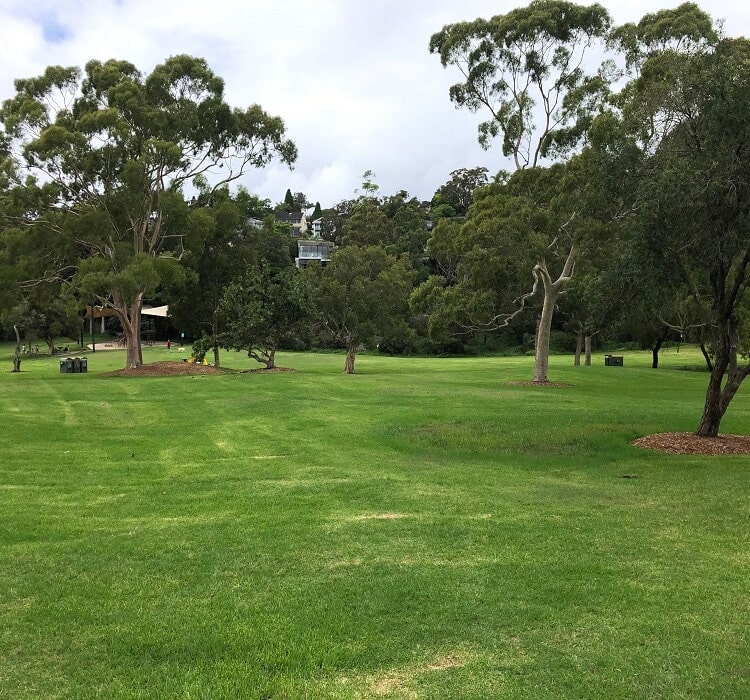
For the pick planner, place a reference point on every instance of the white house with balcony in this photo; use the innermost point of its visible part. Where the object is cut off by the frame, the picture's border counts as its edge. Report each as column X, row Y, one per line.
column 313, row 249
column 316, row 227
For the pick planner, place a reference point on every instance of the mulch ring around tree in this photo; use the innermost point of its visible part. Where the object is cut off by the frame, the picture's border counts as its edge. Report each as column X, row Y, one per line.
column 181, row 369
column 550, row 385
column 692, row 444
column 165, row 369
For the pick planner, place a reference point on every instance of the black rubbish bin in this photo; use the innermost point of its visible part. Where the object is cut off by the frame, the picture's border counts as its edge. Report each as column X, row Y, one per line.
column 84, row 364
column 613, row 361
column 76, row 365
column 63, row 367
column 68, row 365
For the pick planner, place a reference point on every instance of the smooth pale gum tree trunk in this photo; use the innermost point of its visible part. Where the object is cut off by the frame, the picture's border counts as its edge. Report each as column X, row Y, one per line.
column 552, row 290
column 541, row 356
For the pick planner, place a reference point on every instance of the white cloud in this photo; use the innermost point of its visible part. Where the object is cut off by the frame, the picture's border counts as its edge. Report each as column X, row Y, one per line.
column 353, row 81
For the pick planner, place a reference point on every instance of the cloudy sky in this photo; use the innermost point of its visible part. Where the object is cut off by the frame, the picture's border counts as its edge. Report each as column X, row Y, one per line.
column 352, row 79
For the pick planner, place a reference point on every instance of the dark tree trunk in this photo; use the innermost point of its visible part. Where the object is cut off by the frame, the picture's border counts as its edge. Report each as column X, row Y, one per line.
column 349, row 366
column 17, row 354
column 215, row 335
column 713, row 411
column 656, row 347
column 267, row 358
column 707, row 357
column 718, row 399
column 726, row 378
column 655, row 354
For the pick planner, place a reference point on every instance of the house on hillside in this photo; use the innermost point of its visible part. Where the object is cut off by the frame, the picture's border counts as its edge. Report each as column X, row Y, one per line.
column 296, row 219
column 316, row 226
column 311, row 249
column 310, row 246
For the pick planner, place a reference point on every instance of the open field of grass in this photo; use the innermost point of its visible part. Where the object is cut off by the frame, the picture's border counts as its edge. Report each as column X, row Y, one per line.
column 424, row 528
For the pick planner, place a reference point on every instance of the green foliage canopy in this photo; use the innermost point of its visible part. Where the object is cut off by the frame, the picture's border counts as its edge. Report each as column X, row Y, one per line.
column 116, row 148
column 689, row 116
column 526, row 69
column 360, row 296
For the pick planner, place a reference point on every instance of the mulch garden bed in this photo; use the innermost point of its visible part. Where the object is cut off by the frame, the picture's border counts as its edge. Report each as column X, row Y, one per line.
column 166, row 369
column 177, row 369
column 550, row 385
column 692, row 444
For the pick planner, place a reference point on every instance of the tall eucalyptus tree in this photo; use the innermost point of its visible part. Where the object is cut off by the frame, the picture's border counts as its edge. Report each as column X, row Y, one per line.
column 117, row 148
column 528, row 70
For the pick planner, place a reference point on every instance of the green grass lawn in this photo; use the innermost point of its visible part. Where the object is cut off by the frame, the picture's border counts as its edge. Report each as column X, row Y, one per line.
column 424, row 528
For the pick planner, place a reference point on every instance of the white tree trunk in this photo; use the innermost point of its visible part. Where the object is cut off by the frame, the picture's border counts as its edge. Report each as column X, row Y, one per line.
column 541, row 355
column 552, row 291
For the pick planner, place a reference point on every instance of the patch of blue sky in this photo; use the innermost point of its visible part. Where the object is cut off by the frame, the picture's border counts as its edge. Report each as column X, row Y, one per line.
column 52, row 30
column 46, row 15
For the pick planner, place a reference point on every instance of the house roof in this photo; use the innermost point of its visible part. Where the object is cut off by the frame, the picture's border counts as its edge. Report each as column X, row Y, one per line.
column 289, row 217
column 318, row 242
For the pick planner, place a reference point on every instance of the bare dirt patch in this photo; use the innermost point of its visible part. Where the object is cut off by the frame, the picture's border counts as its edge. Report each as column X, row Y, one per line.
column 446, row 662
column 379, row 516
column 398, row 681
column 691, row 444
